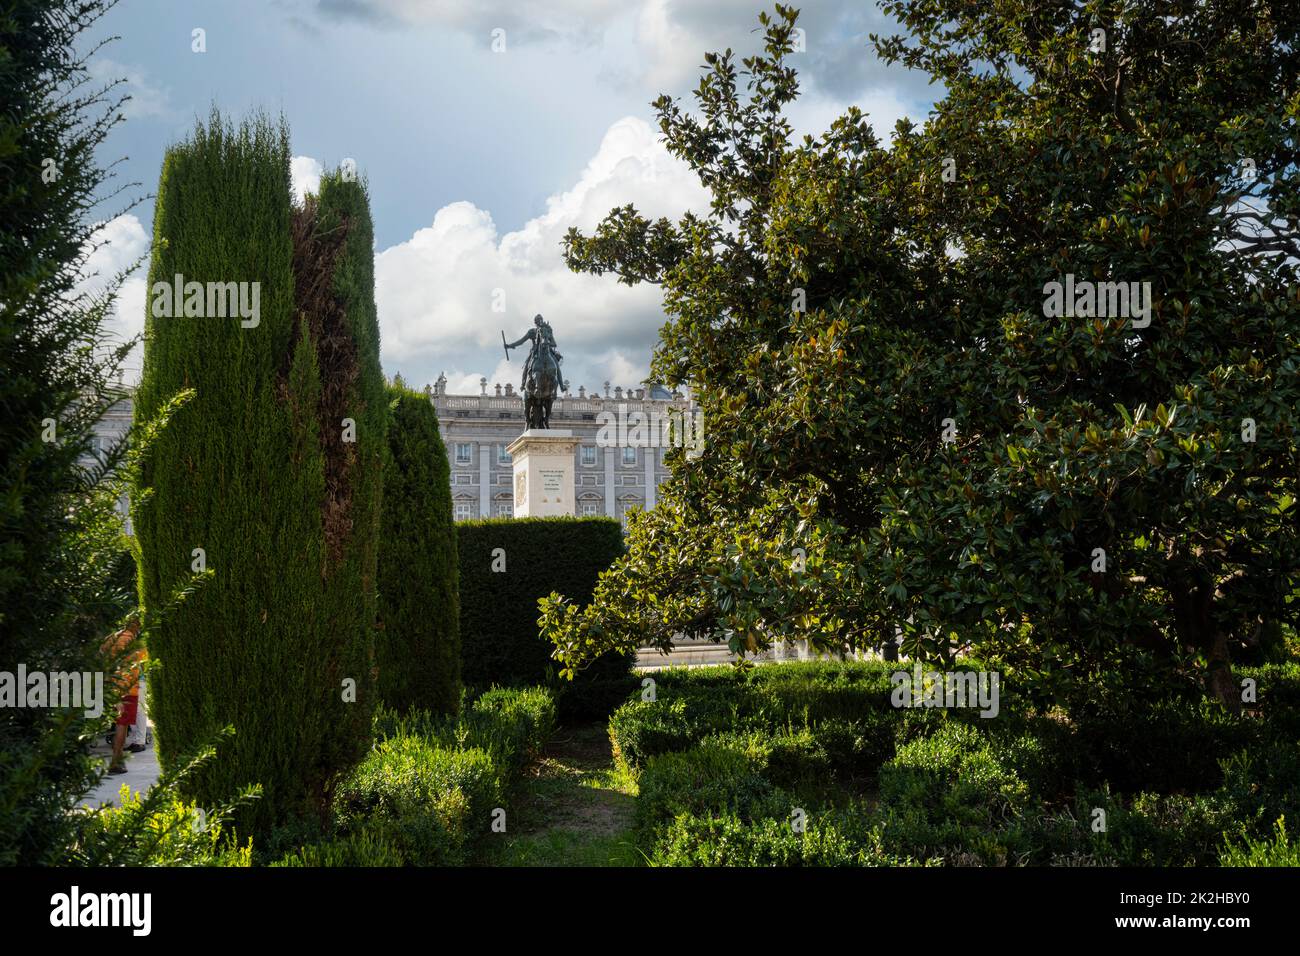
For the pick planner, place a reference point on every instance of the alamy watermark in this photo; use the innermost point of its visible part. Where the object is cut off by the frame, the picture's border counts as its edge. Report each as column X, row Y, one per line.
column 83, row 690
column 75, row 908
column 669, row 428
column 1087, row 299
column 207, row 300
column 974, row 689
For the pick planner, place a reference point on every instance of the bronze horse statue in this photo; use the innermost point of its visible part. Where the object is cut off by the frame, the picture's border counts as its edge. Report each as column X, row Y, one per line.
column 543, row 384
column 542, row 379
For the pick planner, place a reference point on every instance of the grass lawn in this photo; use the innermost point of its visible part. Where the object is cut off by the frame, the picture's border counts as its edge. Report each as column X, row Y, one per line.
column 575, row 808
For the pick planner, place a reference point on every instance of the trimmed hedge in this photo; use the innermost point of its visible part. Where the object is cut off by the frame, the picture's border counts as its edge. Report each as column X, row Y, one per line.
column 430, row 802
column 724, row 839
column 511, row 724
column 426, row 793
column 691, row 704
column 417, row 645
column 259, row 471
column 715, row 775
column 500, row 641
column 723, row 757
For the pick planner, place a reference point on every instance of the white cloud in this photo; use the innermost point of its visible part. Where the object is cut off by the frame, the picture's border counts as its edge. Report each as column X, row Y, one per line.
column 304, row 174
column 671, row 52
column 118, row 245
column 147, row 100
column 813, row 114
column 658, row 45
column 436, row 292
column 565, row 19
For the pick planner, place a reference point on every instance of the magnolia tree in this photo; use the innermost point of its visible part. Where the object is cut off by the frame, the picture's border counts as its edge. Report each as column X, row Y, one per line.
column 1022, row 381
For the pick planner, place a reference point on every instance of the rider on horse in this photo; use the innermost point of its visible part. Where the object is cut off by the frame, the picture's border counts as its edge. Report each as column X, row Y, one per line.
column 542, row 380
column 543, row 339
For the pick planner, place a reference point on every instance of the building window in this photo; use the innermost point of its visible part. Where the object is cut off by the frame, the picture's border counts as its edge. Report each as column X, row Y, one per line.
column 625, row 506
column 503, row 456
column 464, row 510
column 588, row 454
column 505, row 509
column 629, row 455
column 464, row 453
column 590, row 509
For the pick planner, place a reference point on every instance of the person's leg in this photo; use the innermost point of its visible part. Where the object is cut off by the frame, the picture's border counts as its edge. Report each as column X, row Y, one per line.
column 125, row 718
column 119, row 740
column 139, row 736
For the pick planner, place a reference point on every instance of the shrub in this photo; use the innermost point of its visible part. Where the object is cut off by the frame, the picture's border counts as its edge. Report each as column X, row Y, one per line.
column 857, row 748
column 954, row 769
column 1179, row 748
column 642, row 729
column 173, row 833
column 798, row 761
column 726, row 840
column 1278, row 851
column 425, row 794
column 717, row 775
column 1157, row 829
column 1043, row 752
column 691, row 704
column 824, row 690
column 500, row 640
column 368, row 846
column 417, row 645
column 1278, row 686
column 438, row 800
column 1263, row 784
column 257, row 472
column 679, row 718
column 950, row 790
column 158, row 828
column 414, row 723
column 512, row 724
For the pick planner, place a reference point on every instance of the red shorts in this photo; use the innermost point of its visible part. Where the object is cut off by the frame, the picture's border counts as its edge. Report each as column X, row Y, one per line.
column 127, row 710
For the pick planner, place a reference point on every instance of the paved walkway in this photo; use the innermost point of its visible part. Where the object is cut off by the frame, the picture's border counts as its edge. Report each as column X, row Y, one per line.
column 142, row 772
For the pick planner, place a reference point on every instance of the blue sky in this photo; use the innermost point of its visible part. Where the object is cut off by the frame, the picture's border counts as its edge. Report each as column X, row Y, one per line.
column 478, row 160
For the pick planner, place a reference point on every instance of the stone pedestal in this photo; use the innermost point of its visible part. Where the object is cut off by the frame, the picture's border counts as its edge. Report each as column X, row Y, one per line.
column 543, row 466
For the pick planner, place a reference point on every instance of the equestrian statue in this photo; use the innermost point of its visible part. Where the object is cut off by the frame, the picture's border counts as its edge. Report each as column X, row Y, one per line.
column 542, row 379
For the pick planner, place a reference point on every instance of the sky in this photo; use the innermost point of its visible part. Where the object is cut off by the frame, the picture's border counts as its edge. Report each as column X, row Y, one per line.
column 485, row 129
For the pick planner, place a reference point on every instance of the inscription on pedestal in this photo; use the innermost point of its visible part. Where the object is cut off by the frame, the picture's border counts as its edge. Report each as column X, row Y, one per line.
column 552, row 484
column 543, row 463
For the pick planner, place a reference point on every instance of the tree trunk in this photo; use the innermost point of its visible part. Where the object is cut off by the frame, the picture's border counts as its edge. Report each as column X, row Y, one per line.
column 1221, row 682
column 1196, row 629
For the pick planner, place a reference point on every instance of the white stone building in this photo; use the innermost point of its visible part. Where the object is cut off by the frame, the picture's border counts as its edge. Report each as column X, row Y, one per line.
column 610, row 478
column 108, row 433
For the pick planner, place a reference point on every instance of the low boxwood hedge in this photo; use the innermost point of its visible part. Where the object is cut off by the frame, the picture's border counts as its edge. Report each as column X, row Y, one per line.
column 426, row 793
column 725, row 756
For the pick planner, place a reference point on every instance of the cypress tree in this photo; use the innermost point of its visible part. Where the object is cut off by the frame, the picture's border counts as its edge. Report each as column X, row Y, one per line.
column 269, row 478
column 418, row 644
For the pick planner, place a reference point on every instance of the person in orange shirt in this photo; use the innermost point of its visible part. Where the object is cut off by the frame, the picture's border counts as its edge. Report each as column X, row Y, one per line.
column 124, row 647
